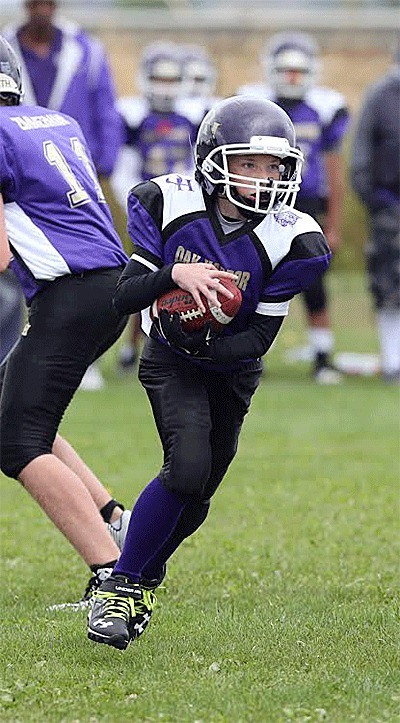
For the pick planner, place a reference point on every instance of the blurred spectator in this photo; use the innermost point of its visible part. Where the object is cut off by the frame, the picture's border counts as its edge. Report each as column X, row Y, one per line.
column 375, row 176
column 157, row 142
column 320, row 116
column 65, row 69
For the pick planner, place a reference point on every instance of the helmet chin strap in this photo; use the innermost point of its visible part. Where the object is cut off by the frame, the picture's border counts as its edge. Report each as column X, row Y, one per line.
column 249, row 213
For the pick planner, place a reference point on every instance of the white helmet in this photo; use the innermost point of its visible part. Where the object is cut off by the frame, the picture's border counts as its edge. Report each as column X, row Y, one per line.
column 160, row 75
column 199, row 72
column 287, row 52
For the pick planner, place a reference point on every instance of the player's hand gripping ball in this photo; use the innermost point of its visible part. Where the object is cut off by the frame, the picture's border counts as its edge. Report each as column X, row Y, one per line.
column 191, row 318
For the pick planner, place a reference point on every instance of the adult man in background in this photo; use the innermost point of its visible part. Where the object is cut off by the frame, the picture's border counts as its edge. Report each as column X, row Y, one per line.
column 320, row 117
column 65, row 69
column 375, row 176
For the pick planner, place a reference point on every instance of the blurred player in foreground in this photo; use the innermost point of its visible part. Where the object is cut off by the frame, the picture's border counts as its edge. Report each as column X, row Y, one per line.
column 375, row 173
column 157, row 141
column 57, row 235
column 320, row 117
column 234, row 219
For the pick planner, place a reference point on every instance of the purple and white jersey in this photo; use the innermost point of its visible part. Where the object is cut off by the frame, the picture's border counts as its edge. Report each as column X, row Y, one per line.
column 162, row 141
column 171, row 220
column 56, row 216
column 321, row 120
column 195, row 107
column 75, row 79
column 155, row 144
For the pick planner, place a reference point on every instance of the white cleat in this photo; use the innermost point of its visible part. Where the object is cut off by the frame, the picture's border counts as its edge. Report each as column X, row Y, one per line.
column 328, row 376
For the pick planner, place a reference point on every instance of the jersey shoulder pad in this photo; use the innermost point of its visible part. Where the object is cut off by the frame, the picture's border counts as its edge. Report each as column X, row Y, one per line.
column 182, row 195
column 133, row 110
column 326, row 101
column 259, row 89
column 193, row 109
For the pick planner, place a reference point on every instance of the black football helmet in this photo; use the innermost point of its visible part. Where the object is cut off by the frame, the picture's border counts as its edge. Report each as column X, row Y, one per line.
column 253, row 126
column 10, row 75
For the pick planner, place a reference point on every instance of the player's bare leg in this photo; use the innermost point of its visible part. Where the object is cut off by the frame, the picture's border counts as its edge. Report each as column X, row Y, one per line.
column 66, row 454
column 68, row 503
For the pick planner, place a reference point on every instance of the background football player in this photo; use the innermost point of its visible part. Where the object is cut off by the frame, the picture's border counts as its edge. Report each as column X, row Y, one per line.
column 320, row 116
column 158, row 140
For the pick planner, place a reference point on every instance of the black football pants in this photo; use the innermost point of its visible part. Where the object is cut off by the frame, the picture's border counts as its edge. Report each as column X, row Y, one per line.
column 199, row 415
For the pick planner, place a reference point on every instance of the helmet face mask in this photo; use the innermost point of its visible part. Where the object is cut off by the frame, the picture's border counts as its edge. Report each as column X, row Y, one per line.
column 291, row 64
column 161, row 76
column 11, row 92
column 265, row 194
column 199, row 73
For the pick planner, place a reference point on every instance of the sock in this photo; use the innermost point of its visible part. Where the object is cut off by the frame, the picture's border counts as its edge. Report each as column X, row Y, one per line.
column 153, row 519
column 190, row 520
column 127, row 352
column 104, row 570
column 321, row 341
column 388, row 322
column 107, row 510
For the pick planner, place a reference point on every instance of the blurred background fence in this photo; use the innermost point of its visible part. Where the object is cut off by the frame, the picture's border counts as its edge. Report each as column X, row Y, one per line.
column 356, row 39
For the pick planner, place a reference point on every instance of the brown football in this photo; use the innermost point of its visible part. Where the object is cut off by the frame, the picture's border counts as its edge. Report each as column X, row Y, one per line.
column 192, row 319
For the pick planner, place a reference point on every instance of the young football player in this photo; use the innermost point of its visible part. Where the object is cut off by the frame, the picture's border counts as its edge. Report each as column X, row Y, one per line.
column 320, row 116
column 158, row 140
column 233, row 219
column 57, row 236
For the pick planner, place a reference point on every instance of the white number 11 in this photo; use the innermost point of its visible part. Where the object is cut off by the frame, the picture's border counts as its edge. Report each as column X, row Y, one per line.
column 77, row 196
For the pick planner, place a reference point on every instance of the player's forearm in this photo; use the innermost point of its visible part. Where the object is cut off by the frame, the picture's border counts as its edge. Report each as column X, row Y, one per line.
column 250, row 344
column 137, row 290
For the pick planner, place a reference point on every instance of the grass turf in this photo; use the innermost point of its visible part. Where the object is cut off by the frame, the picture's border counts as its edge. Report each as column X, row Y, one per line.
column 283, row 607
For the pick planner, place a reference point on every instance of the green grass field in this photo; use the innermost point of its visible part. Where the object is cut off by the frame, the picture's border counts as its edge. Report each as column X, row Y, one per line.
column 282, row 608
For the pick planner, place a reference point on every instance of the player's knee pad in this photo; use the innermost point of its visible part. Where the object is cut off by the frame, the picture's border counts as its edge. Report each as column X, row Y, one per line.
column 188, row 472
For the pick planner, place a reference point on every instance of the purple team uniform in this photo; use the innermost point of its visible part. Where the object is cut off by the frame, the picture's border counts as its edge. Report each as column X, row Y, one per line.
column 62, row 231
column 68, row 258
column 274, row 258
column 199, row 405
column 155, row 143
column 75, row 79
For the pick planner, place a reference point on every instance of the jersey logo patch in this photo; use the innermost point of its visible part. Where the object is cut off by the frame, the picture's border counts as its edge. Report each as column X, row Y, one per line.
column 182, row 183
column 286, row 218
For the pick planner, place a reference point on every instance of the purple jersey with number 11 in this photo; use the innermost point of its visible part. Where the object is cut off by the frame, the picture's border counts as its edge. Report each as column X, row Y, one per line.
column 57, row 218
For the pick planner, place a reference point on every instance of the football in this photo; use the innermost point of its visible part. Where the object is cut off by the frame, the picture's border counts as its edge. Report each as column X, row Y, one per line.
column 192, row 319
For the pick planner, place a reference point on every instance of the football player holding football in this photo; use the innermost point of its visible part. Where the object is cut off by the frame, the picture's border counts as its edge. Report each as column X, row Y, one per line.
column 291, row 66
column 233, row 219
